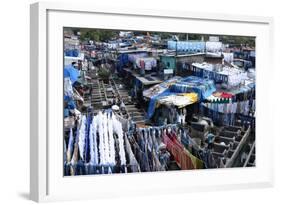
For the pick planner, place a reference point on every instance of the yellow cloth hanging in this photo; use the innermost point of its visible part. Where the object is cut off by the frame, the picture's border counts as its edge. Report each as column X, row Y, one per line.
column 197, row 163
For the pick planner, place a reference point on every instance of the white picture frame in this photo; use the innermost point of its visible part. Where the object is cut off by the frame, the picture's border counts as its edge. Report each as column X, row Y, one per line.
column 46, row 62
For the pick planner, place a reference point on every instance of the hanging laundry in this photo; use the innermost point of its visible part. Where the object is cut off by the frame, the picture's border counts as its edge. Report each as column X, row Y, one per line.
column 146, row 63
column 70, row 146
column 81, row 135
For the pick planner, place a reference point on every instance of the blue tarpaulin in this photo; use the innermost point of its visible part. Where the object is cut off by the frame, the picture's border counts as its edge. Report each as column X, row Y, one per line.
column 191, row 84
column 123, row 59
column 70, row 102
column 71, row 72
column 153, row 101
column 71, row 52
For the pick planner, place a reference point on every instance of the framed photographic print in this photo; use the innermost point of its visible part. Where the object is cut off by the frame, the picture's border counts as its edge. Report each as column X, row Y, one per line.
column 151, row 101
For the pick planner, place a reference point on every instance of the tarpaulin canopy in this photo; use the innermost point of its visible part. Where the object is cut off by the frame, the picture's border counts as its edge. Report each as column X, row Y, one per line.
column 172, row 87
column 71, row 72
column 153, row 102
column 72, row 52
column 192, row 84
column 160, row 88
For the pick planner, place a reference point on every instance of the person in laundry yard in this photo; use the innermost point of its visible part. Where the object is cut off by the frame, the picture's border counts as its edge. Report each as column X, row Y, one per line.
column 80, row 65
column 122, row 107
column 239, row 133
column 142, row 68
column 210, row 138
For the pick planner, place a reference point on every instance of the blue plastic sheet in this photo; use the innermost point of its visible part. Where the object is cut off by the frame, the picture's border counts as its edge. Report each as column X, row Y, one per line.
column 71, row 72
column 153, row 101
column 123, row 59
column 191, row 84
column 203, row 87
column 71, row 52
column 70, row 102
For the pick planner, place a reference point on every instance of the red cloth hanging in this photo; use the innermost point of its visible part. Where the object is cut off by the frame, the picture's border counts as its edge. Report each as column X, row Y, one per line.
column 178, row 152
column 226, row 95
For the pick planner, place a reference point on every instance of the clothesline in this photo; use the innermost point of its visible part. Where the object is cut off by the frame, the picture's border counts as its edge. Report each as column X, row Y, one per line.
column 102, row 147
column 170, row 128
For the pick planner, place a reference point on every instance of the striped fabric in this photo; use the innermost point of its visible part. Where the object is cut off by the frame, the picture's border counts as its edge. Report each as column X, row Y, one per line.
column 178, row 151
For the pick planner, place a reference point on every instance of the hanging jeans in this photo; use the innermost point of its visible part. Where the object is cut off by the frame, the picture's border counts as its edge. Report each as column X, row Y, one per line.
column 79, row 168
column 67, row 169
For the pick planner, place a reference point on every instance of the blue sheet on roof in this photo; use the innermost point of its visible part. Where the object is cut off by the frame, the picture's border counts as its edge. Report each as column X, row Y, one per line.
column 203, row 87
column 71, row 52
column 153, row 101
column 191, row 84
column 71, row 72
